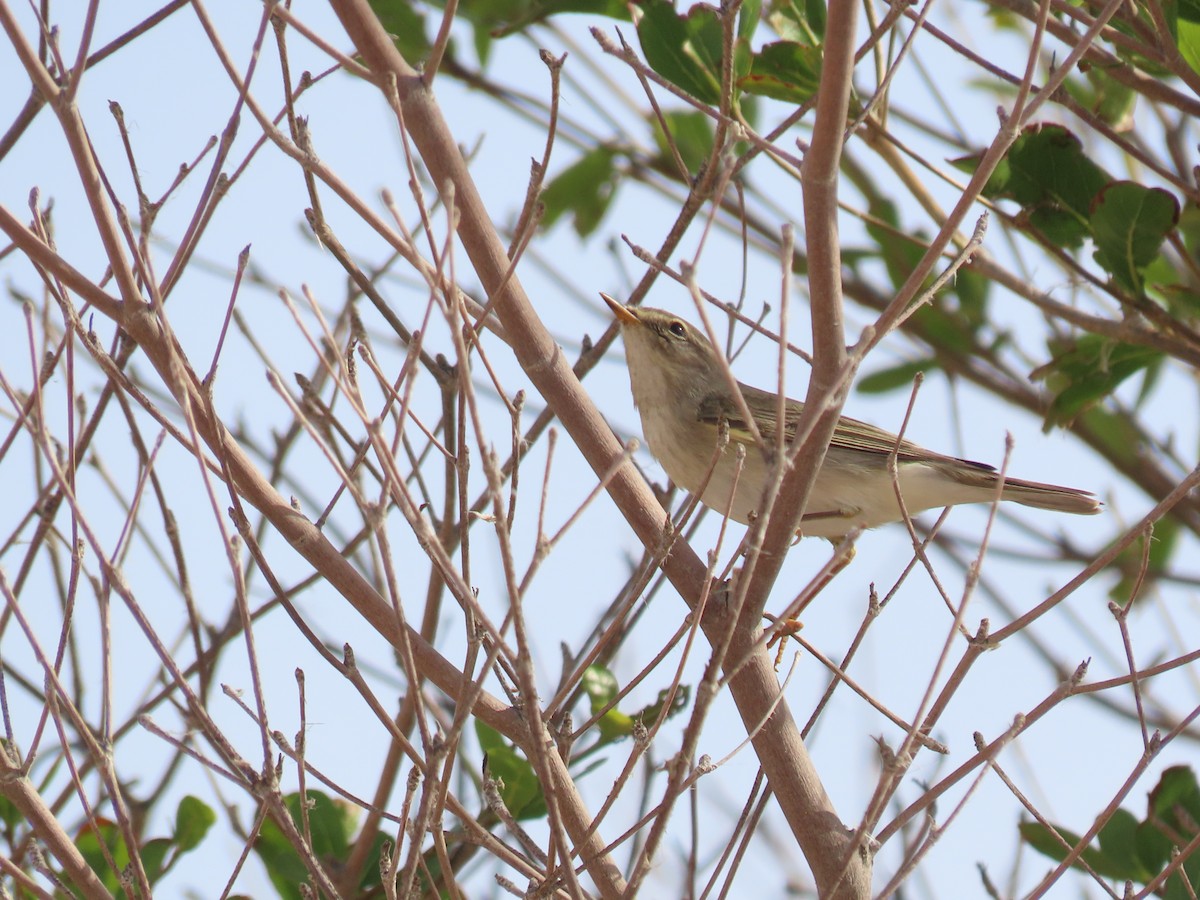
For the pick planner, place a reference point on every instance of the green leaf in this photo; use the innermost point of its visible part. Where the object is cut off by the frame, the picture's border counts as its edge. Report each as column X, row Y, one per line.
column 406, row 26
column 1118, row 846
column 1129, row 224
column 153, row 854
column 679, row 702
column 784, row 70
column 972, row 290
column 483, row 44
column 372, row 877
column 1043, row 840
column 285, row 868
column 10, row 815
column 193, row 819
column 1047, row 173
column 945, row 328
column 1175, row 800
column 1135, row 851
column 601, row 687
column 685, row 50
column 539, row 10
column 900, row 251
column 1169, row 286
column 1174, row 811
column 585, row 189
column 1180, row 301
column 898, row 376
column 1110, row 100
column 816, row 13
column 1163, row 541
column 1048, row 841
column 1116, row 434
column 491, row 19
column 999, row 177
column 1004, row 20
column 1088, row 369
column 1138, row 22
column 1153, row 847
column 798, row 20
column 1187, row 32
column 1048, row 165
column 522, row 792
column 331, row 824
column 748, row 18
column 88, row 842
column 1189, row 228
column 693, row 135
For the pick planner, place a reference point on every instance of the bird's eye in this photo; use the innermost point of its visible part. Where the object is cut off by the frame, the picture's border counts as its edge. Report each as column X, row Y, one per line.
column 677, row 328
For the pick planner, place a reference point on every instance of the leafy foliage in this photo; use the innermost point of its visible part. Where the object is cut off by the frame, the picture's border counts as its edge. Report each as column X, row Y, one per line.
column 329, row 827
column 193, row 820
column 1127, row 849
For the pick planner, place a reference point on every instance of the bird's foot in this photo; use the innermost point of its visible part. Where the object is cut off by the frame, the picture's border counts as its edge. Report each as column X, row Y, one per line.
column 784, row 629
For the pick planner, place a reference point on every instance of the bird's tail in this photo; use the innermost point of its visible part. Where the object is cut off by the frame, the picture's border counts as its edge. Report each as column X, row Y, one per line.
column 1050, row 496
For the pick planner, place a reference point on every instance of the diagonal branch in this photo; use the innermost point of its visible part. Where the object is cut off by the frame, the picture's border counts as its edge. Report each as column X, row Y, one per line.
column 794, row 779
column 828, row 383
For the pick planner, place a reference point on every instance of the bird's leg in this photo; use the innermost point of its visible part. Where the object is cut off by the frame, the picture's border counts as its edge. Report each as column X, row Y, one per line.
column 784, row 629
column 789, row 626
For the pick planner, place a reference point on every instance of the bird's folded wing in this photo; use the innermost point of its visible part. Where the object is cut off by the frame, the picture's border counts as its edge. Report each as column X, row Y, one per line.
column 851, row 434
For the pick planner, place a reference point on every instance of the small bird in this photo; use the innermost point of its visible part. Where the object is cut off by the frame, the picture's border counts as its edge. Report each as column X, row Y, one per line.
column 683, row 395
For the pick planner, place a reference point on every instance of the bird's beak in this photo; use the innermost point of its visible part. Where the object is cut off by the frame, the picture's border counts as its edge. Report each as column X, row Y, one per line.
column 625, row 315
